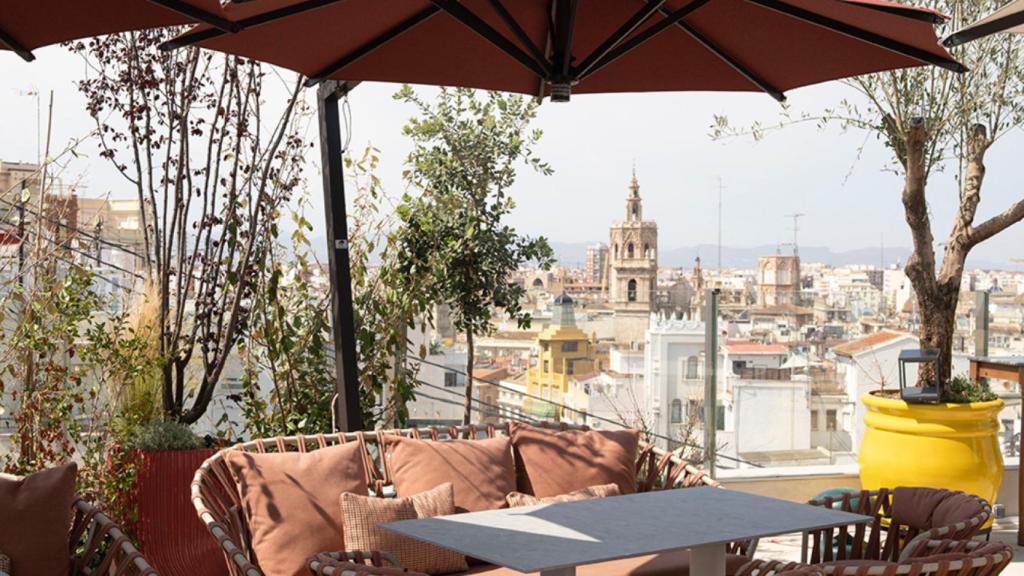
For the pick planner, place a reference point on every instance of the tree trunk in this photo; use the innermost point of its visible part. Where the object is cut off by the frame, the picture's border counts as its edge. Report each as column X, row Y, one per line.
column 938, row 323
column 468, row 413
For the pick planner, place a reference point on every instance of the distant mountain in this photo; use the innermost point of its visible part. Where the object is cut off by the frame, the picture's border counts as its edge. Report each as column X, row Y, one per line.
column 574, row 254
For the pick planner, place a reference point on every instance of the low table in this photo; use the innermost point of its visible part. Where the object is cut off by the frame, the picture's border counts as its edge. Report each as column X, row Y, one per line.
column 554, row 539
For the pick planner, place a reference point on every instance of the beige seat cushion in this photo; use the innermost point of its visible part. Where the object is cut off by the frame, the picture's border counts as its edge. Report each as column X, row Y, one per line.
column 481, row 471
column 291, row 502
column 35, row 519
column 551, row 462
column 667, row 564
column 517, row 499
column 362, row 515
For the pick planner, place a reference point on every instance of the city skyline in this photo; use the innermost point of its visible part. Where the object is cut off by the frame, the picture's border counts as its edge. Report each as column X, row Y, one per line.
column 593, row 142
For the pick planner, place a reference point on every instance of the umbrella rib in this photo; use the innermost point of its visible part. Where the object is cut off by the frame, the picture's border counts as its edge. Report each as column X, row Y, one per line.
column 861, row 34
column 401, row 28
column 644, row 36
column 635, row 21
column 518, row 30
column 565, row 25
column 483, row 29
column 186, row 9
column 742, row 70
column 15, row 46
column 191, row 38
column 982, row 30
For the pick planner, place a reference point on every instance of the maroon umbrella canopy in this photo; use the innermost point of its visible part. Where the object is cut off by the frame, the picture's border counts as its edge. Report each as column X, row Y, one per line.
column 586, row 46
column 29, row 24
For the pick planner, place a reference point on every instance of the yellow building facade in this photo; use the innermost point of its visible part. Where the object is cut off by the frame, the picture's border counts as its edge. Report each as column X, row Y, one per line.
column 563, row 353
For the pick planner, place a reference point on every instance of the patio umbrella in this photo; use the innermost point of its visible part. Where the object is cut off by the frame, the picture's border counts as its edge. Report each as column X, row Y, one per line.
column 1009, row 18
column 29, row 24
column 556, row 47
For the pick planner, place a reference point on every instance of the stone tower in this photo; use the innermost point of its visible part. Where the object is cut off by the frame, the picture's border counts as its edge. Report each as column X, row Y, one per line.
column 633, row 269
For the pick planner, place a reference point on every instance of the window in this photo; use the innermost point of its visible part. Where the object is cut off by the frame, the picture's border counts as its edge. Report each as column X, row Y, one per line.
column 814, row 421
column 692, row 364
column 677, row 411
column 568, row 367
column 450, row 380
column 720, row 417
column 830, row 421
column 693, row 410
column 546, row 366
column 647, row 250
column 616, row 250
column 570, row 346
column 631, row 289
column 629, row 250
column 234, row 384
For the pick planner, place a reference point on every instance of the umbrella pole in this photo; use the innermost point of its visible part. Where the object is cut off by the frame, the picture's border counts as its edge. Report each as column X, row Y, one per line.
column 347, row 413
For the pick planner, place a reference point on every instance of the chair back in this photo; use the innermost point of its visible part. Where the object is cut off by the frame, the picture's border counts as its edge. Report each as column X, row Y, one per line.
column 219, row 505
column 902, row 520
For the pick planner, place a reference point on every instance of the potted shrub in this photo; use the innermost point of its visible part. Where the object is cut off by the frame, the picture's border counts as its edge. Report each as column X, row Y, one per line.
column 168, row 530
column 952, row 444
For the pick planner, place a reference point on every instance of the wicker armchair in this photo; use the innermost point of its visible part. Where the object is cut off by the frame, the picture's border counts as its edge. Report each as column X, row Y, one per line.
column 904, row 519
column 932, row 558
column 219, row 505
column 99, row 547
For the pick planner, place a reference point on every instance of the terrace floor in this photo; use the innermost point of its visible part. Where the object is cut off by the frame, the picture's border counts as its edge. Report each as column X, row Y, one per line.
column 1004, row 530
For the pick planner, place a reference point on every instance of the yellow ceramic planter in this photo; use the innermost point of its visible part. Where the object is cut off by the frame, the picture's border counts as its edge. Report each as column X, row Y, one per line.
column 953, row 446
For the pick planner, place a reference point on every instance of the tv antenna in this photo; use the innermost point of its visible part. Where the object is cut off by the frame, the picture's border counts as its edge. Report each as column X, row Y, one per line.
column 796, row 216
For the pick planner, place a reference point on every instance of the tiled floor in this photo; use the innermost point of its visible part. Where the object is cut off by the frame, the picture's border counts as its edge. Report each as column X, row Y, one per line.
column 1005, row 530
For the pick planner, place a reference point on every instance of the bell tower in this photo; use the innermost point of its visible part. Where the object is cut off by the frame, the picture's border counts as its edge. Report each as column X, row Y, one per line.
column 633, row 269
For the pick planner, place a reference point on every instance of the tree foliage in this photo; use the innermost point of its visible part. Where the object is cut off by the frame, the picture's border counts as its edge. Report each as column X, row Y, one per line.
column 210, row 162
column 466, row 150
column 936, row 124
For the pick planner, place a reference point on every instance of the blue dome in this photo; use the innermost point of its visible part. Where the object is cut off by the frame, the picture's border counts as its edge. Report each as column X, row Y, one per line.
column 563, row 299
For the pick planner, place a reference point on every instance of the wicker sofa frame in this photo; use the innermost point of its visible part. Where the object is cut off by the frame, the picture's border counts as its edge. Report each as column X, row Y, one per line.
column 882, row 538
column 929, row 559
column 219, row 506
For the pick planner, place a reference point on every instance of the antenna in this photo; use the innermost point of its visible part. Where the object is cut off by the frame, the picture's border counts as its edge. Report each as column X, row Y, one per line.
column 796, row 216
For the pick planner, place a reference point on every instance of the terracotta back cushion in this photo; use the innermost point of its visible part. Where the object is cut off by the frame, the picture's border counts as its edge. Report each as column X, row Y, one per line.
column 35, row 520
column 927, row 508
column 551, row 462
column 290, row 500
column 958, row 507
column 482, row 472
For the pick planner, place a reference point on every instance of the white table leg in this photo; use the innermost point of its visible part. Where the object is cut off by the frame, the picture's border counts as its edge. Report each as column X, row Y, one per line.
column 707, row 560
column 570, row 571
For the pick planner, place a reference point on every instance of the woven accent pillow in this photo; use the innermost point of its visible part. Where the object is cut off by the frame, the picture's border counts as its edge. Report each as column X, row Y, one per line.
column 362, row 515
column 517, row 499
column 5, row 565
column 35, row 518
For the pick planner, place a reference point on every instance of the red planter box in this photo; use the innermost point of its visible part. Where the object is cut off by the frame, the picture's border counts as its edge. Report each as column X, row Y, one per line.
column 170, row 534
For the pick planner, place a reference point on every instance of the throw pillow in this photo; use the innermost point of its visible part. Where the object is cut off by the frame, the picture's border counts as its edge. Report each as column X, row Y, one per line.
column 517, row 499
column 36, row 520
column 481, row 471
column 363, row 515
column 290, row 500
column 553, row 462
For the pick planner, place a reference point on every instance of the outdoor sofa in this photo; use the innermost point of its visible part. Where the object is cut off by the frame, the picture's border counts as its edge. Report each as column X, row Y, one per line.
column 238, row 512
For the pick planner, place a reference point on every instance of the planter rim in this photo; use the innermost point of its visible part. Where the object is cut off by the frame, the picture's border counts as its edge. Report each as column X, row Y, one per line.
column 874, row 401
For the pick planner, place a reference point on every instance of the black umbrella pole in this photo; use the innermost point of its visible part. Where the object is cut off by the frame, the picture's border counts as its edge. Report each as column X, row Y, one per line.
column 347, row 414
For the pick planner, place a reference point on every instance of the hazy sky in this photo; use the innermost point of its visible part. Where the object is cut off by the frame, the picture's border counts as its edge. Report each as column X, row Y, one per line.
column 592, row 143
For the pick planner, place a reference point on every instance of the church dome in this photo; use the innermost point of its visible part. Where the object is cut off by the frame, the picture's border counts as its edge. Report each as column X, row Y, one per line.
column 563, row 299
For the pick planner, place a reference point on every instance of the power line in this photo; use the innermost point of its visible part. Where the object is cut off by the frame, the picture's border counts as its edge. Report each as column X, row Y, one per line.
column 82, row 252
column 570, row 409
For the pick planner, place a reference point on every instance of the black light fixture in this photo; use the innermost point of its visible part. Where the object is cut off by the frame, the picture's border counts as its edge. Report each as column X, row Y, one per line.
column 920, row 394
